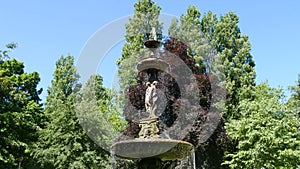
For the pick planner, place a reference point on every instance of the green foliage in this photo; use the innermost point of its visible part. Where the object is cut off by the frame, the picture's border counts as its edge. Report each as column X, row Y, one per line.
column 233, row 53
column 188, row 31
column 217, row 45
column 97, row 113
column 145, row 18
column 20, row 113
column 4, row 53
column 63, row 143
column 219, row 48
column 267, row 132
column 294, row 101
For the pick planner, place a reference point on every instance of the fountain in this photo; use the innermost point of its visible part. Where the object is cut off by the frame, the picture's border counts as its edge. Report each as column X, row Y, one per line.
column 150, row 149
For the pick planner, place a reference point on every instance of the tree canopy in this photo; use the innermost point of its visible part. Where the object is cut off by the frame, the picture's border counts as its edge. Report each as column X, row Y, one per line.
column 267, row 133
column 20, row 113
column 62, row 142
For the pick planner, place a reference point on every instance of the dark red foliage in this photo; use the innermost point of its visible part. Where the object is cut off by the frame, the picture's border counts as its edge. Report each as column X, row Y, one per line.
column 136, row 96
column 132, row 130
column 180, row 49
column 135, row 107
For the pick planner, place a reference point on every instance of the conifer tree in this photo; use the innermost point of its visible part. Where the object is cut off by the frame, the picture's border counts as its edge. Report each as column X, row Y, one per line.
column 95, row 108
column 233, row 53
column 63, row 143
column 234, row 61
column 188, row 30
column 139, row 27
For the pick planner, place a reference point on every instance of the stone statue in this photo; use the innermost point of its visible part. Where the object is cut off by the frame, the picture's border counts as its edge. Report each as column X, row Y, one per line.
column 151, row 99
column 154, row 34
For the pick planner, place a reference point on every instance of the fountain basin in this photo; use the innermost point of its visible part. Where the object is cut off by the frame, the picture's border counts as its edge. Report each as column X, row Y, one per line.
column 152, row 44
column 152, row 63
column 164, row 149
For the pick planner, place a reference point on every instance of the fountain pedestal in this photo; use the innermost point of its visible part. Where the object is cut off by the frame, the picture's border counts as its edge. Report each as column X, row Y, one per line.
column 150, row 163
column 149, row 128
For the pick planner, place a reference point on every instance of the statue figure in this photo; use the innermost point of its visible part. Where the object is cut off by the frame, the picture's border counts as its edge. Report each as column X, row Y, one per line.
column 151, row 99
column 147, row 96
column 154, row 34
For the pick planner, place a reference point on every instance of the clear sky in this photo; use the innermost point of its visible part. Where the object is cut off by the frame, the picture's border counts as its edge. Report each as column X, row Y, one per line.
column 45, row 30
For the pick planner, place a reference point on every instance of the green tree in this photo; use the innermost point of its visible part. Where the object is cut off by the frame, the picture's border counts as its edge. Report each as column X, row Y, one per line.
column 267, row 132
column 235, row 62
column 233, row 53
column 97, row 113
column 63, row 143
column 294, row 101
column 217, row 45
column 20, row 112
column 145, row 18
column 188, row 30
column 220, row 40
column 4, row 53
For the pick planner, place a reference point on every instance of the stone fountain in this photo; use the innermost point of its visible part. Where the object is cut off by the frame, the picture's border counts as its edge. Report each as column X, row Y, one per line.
column 149, row 149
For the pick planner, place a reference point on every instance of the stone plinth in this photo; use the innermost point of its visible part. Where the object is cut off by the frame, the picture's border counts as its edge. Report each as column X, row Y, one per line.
column 149, row 128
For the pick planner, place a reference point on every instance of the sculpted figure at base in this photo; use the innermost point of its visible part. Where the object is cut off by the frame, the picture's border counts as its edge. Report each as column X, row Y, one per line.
column 151, row 99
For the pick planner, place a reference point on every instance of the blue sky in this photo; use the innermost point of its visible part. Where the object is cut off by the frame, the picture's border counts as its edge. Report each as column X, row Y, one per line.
column 45, row 30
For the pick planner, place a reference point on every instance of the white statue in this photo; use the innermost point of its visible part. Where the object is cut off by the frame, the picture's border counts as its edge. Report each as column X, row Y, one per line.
column 151, row 98
column 154, row 33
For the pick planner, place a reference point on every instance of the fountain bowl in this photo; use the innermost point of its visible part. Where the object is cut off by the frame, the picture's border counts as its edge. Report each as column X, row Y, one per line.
column 152, row 44
column 164, row 149
column 152, row 63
